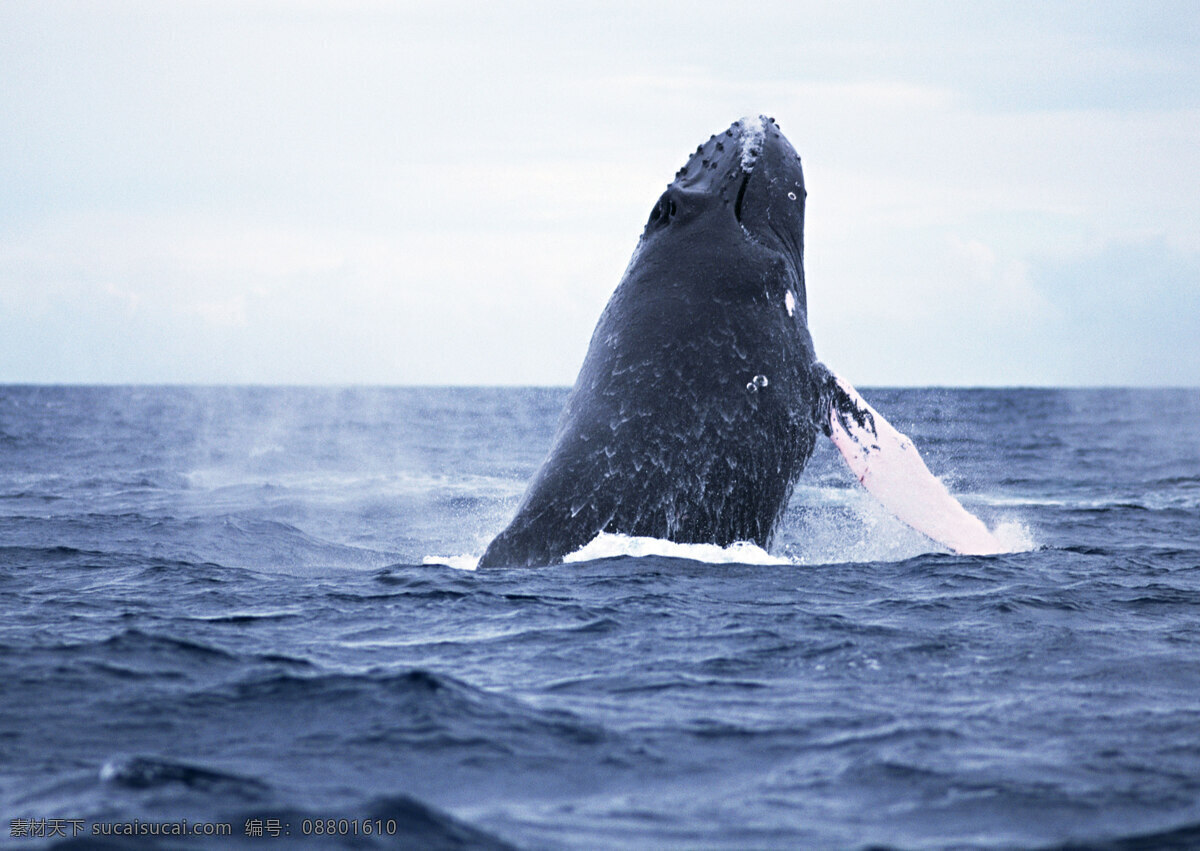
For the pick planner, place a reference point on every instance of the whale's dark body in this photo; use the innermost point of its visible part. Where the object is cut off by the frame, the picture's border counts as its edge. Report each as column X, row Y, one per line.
column 698, row 403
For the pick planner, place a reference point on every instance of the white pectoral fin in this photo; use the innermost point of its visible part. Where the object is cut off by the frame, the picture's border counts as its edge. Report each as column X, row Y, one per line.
column 891, row 469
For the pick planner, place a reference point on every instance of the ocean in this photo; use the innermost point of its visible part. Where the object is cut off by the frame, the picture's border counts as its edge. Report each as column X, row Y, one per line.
column 246, row 617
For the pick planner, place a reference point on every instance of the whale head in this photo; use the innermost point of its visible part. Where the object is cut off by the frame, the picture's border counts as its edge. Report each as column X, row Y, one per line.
column 745, row 185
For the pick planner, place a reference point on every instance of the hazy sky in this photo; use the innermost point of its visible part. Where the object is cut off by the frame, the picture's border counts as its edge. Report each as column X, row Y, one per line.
column 445, row 192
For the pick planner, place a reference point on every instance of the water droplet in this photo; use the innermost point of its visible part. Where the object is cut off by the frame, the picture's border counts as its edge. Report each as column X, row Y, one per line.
column 760, row 381
column 791, row 196
column 751, row 387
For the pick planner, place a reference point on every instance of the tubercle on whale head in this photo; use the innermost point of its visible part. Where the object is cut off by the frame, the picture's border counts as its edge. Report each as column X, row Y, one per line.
column 747, row 179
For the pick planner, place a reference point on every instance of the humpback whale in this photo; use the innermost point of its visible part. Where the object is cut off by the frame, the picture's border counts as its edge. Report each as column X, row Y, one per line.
column 701, row 396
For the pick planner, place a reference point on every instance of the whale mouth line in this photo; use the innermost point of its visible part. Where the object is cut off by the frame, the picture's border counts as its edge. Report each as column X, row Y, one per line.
column 737, row 205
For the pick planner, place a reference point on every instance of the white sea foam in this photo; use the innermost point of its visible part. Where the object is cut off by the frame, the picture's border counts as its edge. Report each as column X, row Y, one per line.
column 607, row 545
column 463, row 562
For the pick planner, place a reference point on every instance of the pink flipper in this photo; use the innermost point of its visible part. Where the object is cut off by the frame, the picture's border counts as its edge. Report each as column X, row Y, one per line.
column 891, row 469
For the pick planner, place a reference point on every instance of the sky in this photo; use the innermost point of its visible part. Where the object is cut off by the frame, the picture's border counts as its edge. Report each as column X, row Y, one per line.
column 447, row 192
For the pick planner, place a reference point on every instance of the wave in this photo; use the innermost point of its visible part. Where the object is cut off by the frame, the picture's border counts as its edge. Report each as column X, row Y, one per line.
column 384, row 822
column 143, row 772
column 133, row 655
column 1183, row 838
column 414, row 708
column 396, row 821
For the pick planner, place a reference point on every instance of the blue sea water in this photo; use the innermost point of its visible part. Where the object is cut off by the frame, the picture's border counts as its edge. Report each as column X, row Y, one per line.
column 234, row 606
